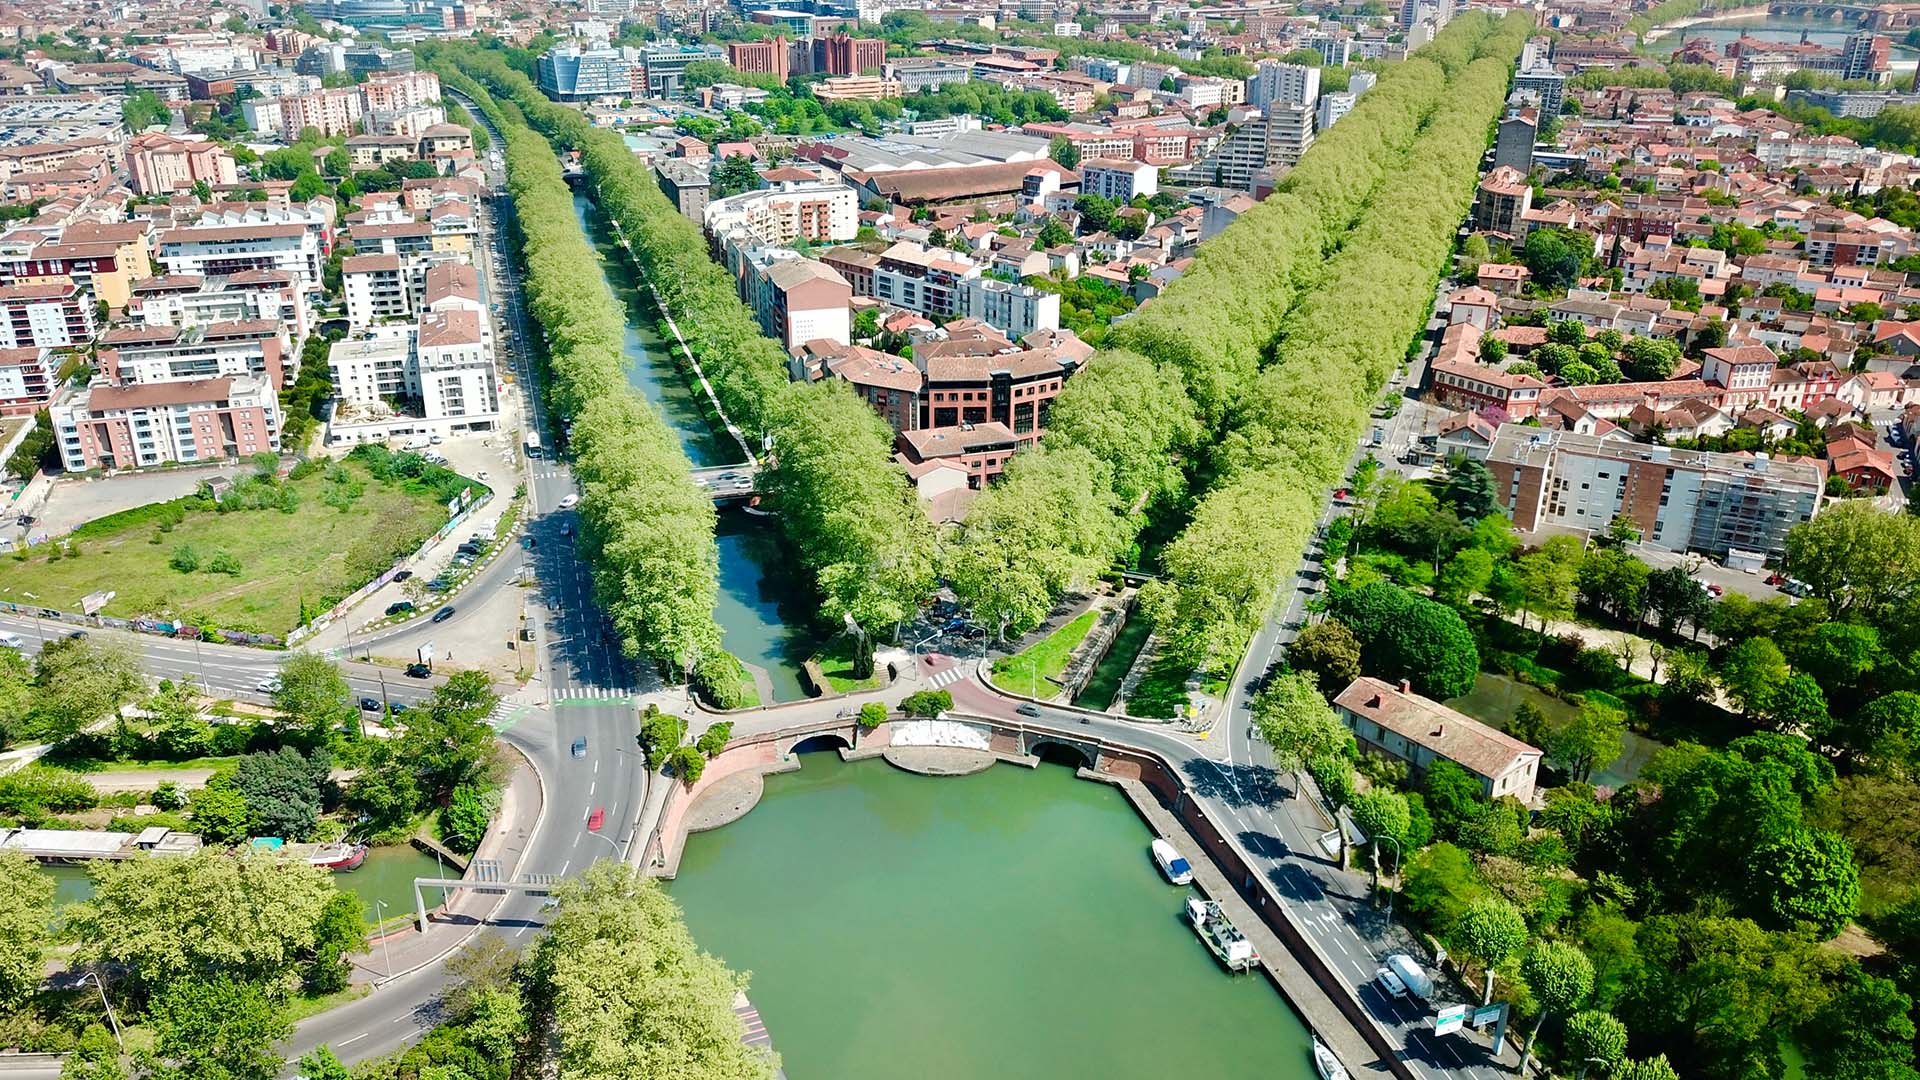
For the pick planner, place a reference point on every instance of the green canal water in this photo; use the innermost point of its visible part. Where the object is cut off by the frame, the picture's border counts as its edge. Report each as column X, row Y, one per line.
column 1009, row 924
column 762, row 609
column 386, row 875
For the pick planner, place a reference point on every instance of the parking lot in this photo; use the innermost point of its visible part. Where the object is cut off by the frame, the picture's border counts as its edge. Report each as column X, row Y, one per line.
column 73, row 501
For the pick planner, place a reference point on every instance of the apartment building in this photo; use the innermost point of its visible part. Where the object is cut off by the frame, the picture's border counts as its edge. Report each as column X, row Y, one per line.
column 1504, row 198
column 1013, row 309
column 1017, row 388
column 1682, row 500
column 163, row 165
column 926, row 280
column 454, row 369
column 1266, row 144
column 1121, row 181
column 100, row 257
column 799, row 300
column 794, row 205
column 249, row 296
column 981, row 449
column 124, row 427
column 213, row 250
column 843, row 54
column 686, row 185
column 399, row 92
column 27, row 379
column 160, row 353
column 1277, row 83
column 377, row 289
column 334, row 111
column 45, row 315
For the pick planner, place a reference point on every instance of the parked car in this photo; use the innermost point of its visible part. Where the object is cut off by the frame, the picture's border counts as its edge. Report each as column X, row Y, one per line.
column 395, row 708
column 443, row 614
column 403, row 575
column 399, row 607
column 419, row 671
column 368, row 704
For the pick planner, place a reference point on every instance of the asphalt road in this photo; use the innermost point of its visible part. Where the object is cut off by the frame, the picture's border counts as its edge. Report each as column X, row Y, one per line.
column 589, row 685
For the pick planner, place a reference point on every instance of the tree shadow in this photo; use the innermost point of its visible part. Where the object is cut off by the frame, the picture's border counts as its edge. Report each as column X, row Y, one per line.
column 1236, row 785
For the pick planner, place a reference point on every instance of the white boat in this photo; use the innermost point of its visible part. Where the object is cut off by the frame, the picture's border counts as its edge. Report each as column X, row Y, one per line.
column 1171, row 864
column 1326, row 1064
column 1222, row 938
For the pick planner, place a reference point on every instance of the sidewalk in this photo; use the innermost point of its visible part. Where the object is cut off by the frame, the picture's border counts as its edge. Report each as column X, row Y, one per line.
column 521, row 808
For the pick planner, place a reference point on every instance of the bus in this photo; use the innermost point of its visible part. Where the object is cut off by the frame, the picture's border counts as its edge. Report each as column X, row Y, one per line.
column 533, row 444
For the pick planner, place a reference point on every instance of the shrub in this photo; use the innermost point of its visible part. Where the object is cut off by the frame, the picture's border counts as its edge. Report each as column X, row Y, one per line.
column 184, row 559
column 926, row 703
column 714, row 739
column 35, row 791
column 224, row 562
column 872, row 715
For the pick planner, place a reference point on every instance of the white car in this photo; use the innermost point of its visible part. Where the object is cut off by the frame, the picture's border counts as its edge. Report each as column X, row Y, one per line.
column 569, row 502
column 268, row 685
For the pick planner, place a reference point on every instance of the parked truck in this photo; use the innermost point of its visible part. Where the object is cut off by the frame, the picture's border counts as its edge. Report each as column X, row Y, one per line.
column 1402, row 976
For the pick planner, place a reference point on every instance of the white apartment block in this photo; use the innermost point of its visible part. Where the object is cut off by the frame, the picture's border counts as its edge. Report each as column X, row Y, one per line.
column 1121, row 181
column 1014, row 310
column 1331, row 108
column 45, row 315
column 1274, row 140
column 455, row 371
column 377, row 290
column 26, row 380
column 801, row 206
column 163, row 353
column 253, row 295
column 1273, row 82
column 211, row 250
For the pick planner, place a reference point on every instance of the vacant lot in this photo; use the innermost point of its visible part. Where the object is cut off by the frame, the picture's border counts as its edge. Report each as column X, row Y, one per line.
column 312, row 541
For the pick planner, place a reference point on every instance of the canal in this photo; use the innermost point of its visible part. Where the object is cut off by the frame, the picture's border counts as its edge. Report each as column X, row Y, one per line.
column 1007, row 924
column 764, row 611
column 387, row 877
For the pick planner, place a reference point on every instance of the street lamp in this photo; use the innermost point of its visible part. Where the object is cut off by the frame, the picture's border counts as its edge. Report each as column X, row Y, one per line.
column 610, row 843
column 1396, row 869
column 111, row 1019
column 379, row 915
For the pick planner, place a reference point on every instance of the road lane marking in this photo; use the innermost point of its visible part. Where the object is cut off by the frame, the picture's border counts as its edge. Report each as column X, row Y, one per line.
column 355, row 1039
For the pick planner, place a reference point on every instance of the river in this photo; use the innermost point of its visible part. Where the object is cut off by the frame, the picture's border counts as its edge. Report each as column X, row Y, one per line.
column 1008, row 924
column 1830, row 33
column 764, row 611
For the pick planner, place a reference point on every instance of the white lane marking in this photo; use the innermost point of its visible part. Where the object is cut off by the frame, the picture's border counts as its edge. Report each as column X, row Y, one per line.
column 1341, row 945
column 355, row 1039
column 401, row 1019
column 563, row 868
column 590, row 788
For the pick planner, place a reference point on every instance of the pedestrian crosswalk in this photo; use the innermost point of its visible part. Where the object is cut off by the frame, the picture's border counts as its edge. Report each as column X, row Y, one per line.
column 948, row 677
column 591, row 693
column 548, row 474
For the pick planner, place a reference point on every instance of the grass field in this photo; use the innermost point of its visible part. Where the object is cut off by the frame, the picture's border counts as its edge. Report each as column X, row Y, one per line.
column 289, row 562
column 836, row 664
column 1031, row 670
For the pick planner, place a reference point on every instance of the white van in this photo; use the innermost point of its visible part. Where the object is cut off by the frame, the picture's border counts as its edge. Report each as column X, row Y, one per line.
column 12, row 641
column 418, row 442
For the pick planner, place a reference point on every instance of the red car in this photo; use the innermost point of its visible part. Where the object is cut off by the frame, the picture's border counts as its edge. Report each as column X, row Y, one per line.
column 596, row 819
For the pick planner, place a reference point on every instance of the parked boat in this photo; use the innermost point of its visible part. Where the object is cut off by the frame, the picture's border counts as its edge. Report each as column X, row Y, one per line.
column 1171, row 864
column 1326, row 1064
column 1222, row 938
column 339, row 856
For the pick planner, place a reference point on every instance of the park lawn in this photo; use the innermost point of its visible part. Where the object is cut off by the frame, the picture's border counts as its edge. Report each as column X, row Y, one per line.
column 304, row 1004
column 836, row 666
column 1161, row 691
column 94, row 765
column 1037, row 666
column 290, row 563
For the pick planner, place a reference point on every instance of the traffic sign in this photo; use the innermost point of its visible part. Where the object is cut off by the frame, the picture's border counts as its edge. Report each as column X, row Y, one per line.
column 1449, row 1019
column 1487, row 1014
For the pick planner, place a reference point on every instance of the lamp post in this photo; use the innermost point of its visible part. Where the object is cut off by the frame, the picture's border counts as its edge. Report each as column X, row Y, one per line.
column 111, row 1018
column 1396, row 869
column 610, row 843
column 379, row 915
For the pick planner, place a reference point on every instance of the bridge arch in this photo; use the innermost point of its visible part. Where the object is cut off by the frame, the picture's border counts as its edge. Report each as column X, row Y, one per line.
column 1062, row 751
column 819, row 741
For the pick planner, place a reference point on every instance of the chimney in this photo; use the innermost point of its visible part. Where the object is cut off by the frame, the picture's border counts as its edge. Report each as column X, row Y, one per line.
column 1406, row 687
